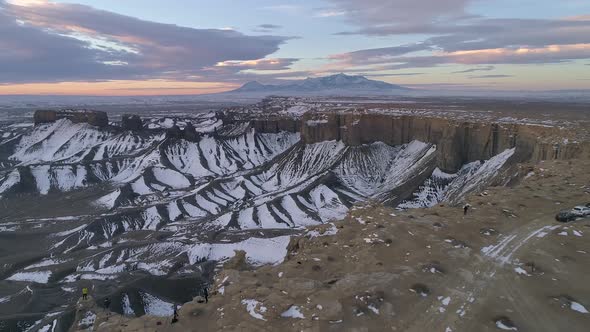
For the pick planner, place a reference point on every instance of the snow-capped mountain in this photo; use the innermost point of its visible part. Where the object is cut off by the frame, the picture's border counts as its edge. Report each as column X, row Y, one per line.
column 329, row 85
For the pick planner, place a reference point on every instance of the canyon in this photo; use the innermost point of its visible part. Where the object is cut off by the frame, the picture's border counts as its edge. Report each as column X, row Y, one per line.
column 143, row 209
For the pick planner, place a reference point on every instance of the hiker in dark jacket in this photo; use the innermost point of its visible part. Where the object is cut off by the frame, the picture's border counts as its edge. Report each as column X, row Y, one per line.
column 107, row 304
column 465, row 209
column 175, row 314
column 206, row 294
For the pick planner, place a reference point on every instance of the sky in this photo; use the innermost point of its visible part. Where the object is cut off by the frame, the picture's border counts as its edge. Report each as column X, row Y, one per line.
column 168, row 47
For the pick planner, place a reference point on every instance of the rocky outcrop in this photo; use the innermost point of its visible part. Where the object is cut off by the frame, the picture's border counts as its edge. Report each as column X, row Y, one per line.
column 131, row 122
column 95, row 118
column 457, row 142
column 174, row 132
column 189, row 133
column 275, row 125
column 45, row 116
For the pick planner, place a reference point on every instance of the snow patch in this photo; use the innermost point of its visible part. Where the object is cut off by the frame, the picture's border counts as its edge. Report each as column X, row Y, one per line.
column 88, row 319
column 109, row 200
column 293, row 312
column 154, row 306
column 126, row 305
column 254, row 308
column 171, row 178
column 332, row 230
column 41, row 277
column 258, row 251
column 575, row 306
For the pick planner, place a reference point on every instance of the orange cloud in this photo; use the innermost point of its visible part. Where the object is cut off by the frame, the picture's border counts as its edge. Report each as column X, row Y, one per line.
column 369, row 62
column 28, row 2
column 117, row 88
column 259, row 64
column 500, row 55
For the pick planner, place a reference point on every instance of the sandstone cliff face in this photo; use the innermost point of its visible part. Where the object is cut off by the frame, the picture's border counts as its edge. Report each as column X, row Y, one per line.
column 275, row 125
column 189, row 133
column 95, row 118
column 44, row 116
column 458, row 142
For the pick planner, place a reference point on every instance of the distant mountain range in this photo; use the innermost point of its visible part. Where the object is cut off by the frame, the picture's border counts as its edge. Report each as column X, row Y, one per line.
column 340, row 84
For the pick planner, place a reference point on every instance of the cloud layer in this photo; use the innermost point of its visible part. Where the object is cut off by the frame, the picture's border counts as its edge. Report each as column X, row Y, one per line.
column 456, row 37
column 400, row 13
column 46, row 42
column 49, row 42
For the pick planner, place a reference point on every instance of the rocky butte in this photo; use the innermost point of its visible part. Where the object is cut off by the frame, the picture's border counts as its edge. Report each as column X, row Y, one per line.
column 95, row 118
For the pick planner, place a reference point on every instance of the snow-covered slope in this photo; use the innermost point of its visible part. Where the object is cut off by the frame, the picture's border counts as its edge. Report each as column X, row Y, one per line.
column 452, row 188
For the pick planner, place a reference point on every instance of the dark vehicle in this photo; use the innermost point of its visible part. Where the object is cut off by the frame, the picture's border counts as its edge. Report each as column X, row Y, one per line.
column 566, row 216
column 579, row 211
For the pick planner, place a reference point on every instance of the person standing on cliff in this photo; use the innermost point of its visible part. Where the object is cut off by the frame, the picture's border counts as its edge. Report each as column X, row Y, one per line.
column 107, row 304
column 84, row 293
column 175, row 314
column 206, row 294
column 466, row 208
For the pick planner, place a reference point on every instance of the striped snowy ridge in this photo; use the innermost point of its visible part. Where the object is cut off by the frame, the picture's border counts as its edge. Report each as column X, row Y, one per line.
column 214, row 156
column 63, row 156
column 305, row 186
column 64, row 177
column 444, row 187
column 299, row 190
column 64, row 141
column 183, row 165
column 151, row 164
column 302, row 187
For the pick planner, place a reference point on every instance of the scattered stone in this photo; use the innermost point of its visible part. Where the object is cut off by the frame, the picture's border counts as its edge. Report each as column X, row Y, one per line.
column 420, row 289
column 504, row 323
